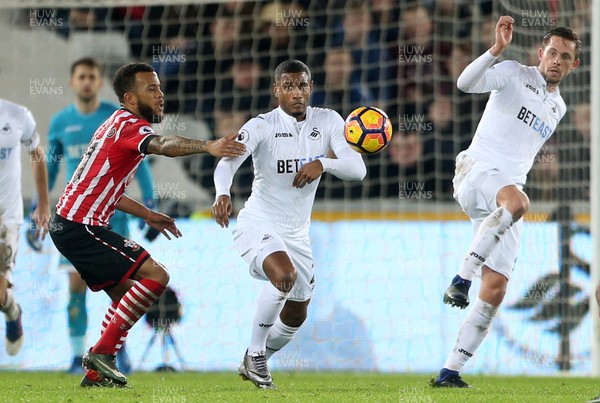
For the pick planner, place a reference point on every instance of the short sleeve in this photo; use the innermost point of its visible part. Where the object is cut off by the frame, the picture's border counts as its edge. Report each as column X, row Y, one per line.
column 29, row 137
column 136, row 135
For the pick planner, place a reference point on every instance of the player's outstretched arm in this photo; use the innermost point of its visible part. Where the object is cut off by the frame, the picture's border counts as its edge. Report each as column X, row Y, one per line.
column 41, row 215
column 504, row 31
column 477, row 77
column 178, row 146
column 158, row 221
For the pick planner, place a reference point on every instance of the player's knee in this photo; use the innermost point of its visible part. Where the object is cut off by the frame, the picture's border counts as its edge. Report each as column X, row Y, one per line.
column 285, row 279
column 154, row 270
column 163, row 276
column 518, row 206
column 295, row 319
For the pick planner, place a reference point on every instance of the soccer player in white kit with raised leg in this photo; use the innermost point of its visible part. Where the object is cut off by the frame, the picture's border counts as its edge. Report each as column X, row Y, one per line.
column 17, row 127
column 522, row 112
column 289, row 146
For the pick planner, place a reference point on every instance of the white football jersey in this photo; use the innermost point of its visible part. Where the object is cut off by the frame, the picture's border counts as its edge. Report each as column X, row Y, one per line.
column 17, row 127
column 280, row 146
column 520, row 115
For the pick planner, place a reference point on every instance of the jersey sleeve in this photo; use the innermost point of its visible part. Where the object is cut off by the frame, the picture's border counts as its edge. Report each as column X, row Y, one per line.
column 251, row 135
column 348, row 165
column 136, row 135
column 55, row 151
column 482, row 75
column 29, row 138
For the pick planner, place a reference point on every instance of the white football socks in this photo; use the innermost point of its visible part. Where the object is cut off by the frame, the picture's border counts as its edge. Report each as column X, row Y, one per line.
column 487, row 237
column 280, row 335
column 269, row 304
column 472, row 332
column 10, row 307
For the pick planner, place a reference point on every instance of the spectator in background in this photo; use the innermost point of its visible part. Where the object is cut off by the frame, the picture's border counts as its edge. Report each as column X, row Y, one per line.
column 215, row 55
column 280, row 34
column 176, row 65
column 446, row 13
column 247, row 87
column 408, row 169
column 226, row 121
column 446, row 142
column 372, row 64
column 339, row 91
column 420, row 59
column 486, row 34
column 467, row 107
column 386, row 14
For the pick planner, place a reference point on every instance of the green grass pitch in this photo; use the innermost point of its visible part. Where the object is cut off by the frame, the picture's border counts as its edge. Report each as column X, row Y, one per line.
column 293, row 387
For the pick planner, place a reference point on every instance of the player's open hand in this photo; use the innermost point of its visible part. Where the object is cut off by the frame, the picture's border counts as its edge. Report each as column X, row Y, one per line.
column 41, row 217
column 221, row 210
column 504, row 31
column 226, row 147
column 163, row 223
column 308, row 173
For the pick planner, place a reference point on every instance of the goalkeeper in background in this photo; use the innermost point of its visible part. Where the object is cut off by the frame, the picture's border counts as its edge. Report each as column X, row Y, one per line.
column 523, row 110
column 70, row 132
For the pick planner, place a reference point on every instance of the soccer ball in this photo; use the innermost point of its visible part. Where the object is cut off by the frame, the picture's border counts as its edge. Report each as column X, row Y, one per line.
column 368, row 130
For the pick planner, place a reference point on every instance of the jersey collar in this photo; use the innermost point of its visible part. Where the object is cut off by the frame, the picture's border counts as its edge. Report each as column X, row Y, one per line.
column 290, row 119
column 542, row 82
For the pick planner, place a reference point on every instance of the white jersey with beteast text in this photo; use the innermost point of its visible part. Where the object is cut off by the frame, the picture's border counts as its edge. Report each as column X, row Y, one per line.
column 280, row 146
column 17, row 126
column 520, row 115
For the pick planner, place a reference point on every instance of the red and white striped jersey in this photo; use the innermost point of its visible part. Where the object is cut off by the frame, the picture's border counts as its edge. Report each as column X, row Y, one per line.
column 108, row 165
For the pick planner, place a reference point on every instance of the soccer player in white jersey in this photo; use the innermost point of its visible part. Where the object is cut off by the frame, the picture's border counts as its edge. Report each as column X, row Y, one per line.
column 17, row 126
column 522, row 112
column 289, row 146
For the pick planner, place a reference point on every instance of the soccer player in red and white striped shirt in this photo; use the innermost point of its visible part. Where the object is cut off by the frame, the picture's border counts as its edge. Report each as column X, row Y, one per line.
column 105, row 260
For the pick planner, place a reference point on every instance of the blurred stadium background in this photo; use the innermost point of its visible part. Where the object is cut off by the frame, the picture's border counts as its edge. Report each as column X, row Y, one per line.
column 384, row 249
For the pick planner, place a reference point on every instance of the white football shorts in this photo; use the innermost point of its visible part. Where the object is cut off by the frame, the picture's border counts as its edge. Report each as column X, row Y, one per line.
column 255, row 240
column 476, row 184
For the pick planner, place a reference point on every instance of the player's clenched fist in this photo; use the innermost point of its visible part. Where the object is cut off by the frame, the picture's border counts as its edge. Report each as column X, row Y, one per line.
column 221, row 210
column 504, row 31
column 226, row 147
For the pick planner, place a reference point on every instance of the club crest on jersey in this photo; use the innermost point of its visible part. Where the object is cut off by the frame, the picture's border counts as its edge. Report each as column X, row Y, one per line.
column 128, row 243
column 112, row 133
column 242, row 136
column 315, row 134
column 6, row 128
column 146, row 130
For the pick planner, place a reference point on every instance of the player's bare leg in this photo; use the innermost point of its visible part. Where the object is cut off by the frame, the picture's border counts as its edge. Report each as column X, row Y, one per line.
column 474, row 328
column 285, row 327
column 512, row 203
column 134, row 298
column 282, row 276
column 12, row 312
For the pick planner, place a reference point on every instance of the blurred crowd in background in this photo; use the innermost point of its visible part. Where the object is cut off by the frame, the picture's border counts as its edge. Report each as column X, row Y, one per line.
column 216, row 63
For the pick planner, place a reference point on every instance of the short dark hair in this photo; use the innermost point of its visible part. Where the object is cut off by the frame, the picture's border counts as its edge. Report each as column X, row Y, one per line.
column 565, row 33
column 124, row 80
column 89, row 62
column 291, row 66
